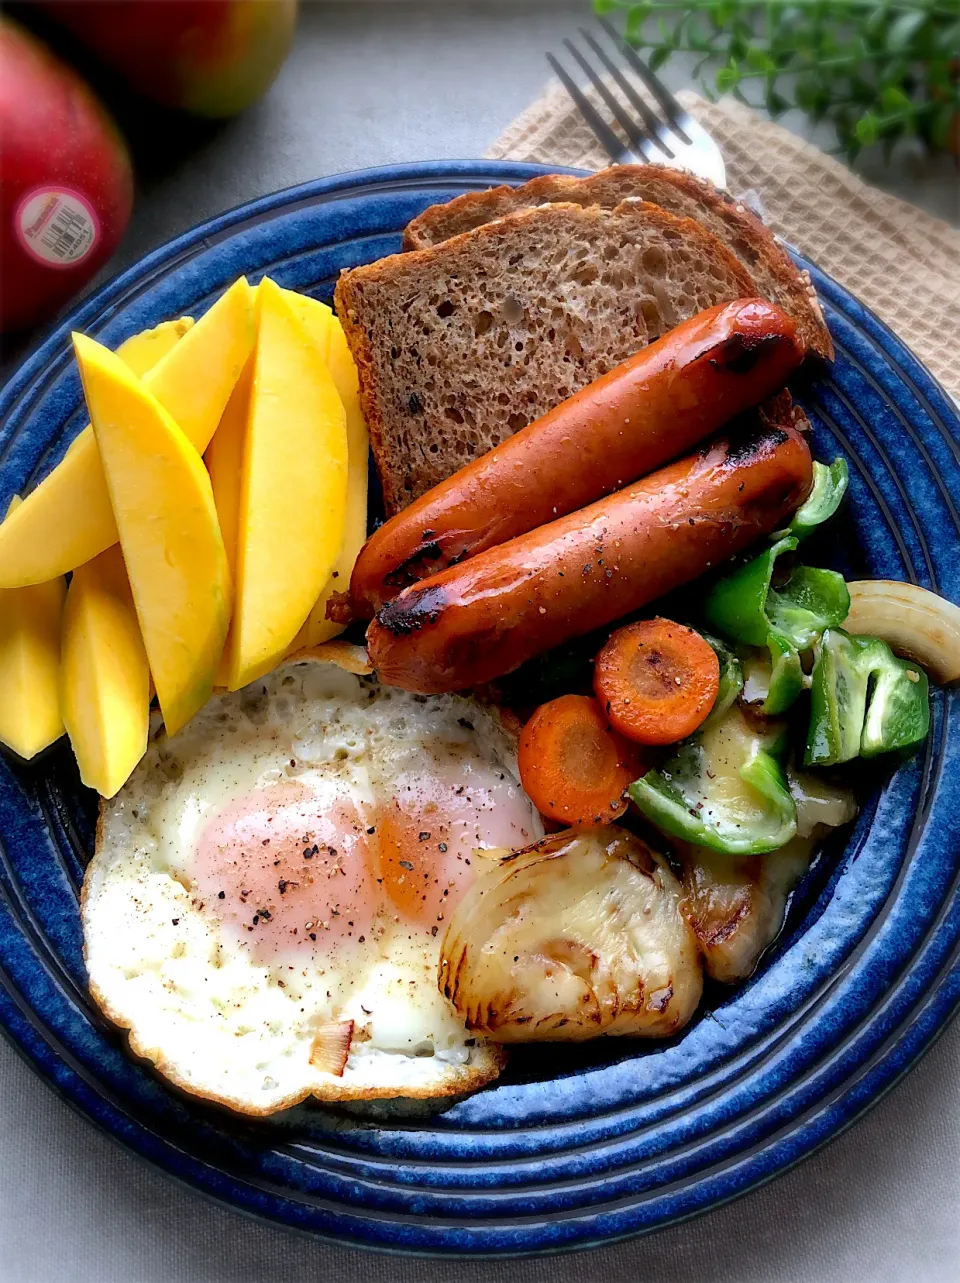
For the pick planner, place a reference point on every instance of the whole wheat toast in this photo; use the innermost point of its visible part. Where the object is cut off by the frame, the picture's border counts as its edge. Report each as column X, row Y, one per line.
column 462, row 344
column 775, row 274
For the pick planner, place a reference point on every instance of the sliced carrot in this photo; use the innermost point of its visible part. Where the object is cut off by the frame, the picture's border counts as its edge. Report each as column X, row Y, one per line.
column 573, row 767
column 656, row 681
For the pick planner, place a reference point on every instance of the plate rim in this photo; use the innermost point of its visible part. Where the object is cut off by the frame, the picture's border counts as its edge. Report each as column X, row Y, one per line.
column 890, row 1067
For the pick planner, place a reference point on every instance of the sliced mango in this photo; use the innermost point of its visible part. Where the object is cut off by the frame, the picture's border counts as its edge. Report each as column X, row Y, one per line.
column 167, row 520
column 315, row 317
column 343, row 371
column 67, row 520
column 105, row 677
column 194, row 382
column 141, row 352
column 293, row 490
column 30, row 665
column 224, row 460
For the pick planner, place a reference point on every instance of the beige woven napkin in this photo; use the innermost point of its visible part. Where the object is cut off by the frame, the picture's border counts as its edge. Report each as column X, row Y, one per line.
column 899, row 261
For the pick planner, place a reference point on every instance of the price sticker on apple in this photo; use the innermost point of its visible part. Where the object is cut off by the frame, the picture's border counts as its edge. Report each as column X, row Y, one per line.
column 56, row 226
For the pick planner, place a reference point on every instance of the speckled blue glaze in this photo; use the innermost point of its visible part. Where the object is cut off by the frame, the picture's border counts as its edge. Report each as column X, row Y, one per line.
column 573, row 1147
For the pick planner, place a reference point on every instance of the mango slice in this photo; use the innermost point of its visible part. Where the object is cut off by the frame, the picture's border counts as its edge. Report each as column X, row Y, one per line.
column 315, row 317
column 165, row 514
column 224, row 460
column 105, row 677
column 67, row 519
column 343, row 371
column 30, row 665
column 224, row 454
column 293, row 490
column 141, row 352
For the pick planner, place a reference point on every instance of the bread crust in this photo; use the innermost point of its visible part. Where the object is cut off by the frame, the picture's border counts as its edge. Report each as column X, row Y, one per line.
column 676, row 191
column 483, row 259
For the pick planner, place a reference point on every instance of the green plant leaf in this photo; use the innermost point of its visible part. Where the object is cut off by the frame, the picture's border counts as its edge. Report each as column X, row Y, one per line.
column 875, row 26
column 867, row 129
column 947, row 39
column 903, row 29
column 759, row 60
column 892, row 98
column 728, row 77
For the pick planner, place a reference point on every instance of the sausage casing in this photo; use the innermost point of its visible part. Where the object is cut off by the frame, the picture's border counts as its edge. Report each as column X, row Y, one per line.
column 655, row 406
column 477, row 621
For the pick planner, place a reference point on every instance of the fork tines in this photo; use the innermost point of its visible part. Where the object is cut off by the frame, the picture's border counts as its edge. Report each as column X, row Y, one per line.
column 671, row 138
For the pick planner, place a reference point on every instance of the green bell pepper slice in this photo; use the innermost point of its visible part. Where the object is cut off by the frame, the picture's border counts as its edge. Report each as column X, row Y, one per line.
column 829, row 486
column 731, row 677
column 785, row 619
column 724, row 788
column 774, row 680
column 864, row 700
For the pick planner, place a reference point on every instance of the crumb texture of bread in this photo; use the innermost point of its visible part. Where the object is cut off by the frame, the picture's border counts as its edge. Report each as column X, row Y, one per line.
column 460, row 345
column 680, row 193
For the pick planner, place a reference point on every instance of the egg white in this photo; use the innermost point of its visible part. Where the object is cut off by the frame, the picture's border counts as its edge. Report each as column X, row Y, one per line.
column 226, row 993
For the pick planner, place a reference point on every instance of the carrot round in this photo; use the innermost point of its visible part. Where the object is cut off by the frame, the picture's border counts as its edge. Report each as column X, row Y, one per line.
column 573, row 767
column 656, row 681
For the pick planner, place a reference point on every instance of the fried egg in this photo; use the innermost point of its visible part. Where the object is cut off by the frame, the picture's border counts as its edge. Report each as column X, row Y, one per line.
column 270, row 889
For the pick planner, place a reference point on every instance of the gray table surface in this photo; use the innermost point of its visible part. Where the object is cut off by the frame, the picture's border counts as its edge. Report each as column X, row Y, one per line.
column 369, row 84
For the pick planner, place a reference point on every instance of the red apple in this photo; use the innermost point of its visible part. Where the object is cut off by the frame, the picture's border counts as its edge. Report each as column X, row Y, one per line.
column 66, row 184
column 210, row 57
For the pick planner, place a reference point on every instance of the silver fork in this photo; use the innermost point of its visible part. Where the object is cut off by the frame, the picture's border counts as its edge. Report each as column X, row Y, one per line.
column 675, row 139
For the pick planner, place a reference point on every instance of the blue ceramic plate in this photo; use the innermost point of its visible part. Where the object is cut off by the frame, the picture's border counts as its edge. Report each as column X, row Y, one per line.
column 572, row 1147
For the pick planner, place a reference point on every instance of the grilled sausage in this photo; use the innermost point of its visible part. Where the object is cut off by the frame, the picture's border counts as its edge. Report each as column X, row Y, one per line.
column 477, row 621
column 654, row 407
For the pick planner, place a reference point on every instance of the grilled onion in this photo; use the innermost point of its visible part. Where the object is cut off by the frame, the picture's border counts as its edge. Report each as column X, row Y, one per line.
column 913, row 621
column 576, row 936
column 736, row 904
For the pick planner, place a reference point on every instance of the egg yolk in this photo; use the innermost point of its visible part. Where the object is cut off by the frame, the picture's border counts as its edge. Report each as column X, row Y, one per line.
column 428, row 834
column 286, row 869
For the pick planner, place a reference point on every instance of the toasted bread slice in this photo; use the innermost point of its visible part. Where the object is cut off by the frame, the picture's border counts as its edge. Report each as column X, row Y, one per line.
column 461, row 345
column 678, row 193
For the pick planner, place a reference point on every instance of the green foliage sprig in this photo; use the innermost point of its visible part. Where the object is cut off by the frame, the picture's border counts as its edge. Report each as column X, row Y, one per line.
column 878, row 70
